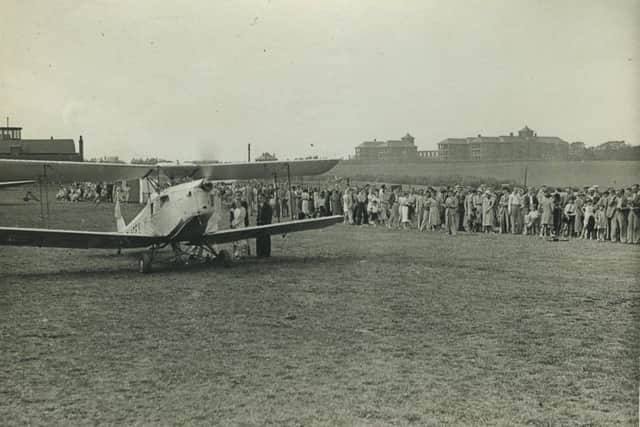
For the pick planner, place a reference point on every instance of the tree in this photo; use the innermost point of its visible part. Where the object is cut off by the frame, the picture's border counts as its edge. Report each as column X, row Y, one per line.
column 266, row 157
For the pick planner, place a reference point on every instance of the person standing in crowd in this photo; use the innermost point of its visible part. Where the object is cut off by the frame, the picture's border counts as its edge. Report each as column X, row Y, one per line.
column 579, row 218
column 610, row 210
column 477, row 208
column 326, row 201
column 284, row 203
column 530, row 204
column 238, row 221
column 361, row 208
column 633, row 223
column 619, row 218
column 383, row 198
column 514, row 211
column 372, row 207
column 488, row 212
column 461, row 194
column 264, row 217
column 404, row 210
column 451, row 213
column 411, row 204
column 546, row 219
column 394, row 202
column 419, row 209
column 556, row 213
column 424, row 222
column 245, row 206
column 589, row 221
column 336, row 200
column 503, row 212
column 601, row 223
column 434, row 212
column 306, row 204
column 293, row 202
column 569, row 216
column 468, row 211
column 347, row 206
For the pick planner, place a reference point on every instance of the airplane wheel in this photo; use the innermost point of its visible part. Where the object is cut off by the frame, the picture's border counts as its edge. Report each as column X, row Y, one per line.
column 224, row 258
column 145, row 263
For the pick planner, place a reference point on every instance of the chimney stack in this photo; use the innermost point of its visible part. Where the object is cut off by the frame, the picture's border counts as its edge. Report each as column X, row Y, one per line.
column 81, row 148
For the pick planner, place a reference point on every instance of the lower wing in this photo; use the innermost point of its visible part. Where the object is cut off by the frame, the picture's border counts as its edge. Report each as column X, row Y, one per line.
column 6, row 184
column 232, row 235
column 42, row 237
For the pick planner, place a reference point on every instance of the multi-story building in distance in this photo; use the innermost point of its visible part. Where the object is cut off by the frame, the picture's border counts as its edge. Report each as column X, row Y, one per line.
column 403, row 149
column 527, row 145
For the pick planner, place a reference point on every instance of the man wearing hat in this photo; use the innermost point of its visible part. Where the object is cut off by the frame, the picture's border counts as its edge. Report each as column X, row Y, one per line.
column 610, row 210
column 264, row 217
column 514, row 210
column 503, row 211
column 468, row 210
column 451, row 212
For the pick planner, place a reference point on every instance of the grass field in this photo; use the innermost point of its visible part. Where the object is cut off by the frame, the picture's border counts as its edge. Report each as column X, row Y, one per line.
column 344, row 326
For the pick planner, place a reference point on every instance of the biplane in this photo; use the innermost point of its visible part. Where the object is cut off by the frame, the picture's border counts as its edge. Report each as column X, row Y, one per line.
column 175, row 217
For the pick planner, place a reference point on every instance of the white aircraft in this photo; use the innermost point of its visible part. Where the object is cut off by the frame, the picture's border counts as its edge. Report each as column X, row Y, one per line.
column 176, row 216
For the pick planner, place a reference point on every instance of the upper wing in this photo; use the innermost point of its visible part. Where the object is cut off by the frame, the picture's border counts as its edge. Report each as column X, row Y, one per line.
column 232, row 235
column 262, row 170
column 73, row 239
column 6, row 184
column 11, row 170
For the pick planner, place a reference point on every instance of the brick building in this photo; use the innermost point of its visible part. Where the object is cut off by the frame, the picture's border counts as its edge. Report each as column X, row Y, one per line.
column 527, row 145
column 402, row 149
column 12, row 146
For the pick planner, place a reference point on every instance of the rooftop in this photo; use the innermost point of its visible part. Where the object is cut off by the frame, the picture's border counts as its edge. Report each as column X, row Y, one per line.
column 40, row 146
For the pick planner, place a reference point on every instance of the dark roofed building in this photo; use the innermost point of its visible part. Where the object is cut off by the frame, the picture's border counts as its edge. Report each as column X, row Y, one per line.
column 402, row 149
column 12, row 146
column 527, row 145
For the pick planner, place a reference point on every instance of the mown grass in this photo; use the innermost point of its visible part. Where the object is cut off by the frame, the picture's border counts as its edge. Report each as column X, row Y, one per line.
column 344, row 326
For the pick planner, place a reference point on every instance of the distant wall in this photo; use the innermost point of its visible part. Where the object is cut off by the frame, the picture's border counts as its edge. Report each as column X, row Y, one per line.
column 574, row 173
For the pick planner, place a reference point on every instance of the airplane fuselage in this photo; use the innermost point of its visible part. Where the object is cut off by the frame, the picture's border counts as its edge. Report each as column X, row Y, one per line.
column 180, row 212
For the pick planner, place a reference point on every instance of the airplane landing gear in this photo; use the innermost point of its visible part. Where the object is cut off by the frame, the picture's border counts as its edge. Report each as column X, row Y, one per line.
column 184, row 256
column 144, row 264
column 222, row 258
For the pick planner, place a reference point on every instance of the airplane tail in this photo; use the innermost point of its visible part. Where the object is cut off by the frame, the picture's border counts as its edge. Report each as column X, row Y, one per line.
column 120, row 224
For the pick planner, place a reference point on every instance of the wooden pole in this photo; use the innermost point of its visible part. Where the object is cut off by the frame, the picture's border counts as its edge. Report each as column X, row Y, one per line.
column 290, row 192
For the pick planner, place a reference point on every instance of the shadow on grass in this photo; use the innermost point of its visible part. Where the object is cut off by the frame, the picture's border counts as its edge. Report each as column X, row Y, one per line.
column 161, row 267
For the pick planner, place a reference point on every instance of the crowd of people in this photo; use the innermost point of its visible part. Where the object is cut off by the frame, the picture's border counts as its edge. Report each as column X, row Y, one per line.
column 93, row 192
column 602, row 214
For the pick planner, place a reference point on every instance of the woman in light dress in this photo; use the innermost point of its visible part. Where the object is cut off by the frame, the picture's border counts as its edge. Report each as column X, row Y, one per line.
column 488, row 212
column 426, row 207
column 240, row 248
column 404, row 209
column 546, row 220
column 306, row 211
column 435, row 203
column 372, row 207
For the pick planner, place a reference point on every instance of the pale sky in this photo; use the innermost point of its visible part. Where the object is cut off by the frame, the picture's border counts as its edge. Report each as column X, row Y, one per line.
column 201, row 79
